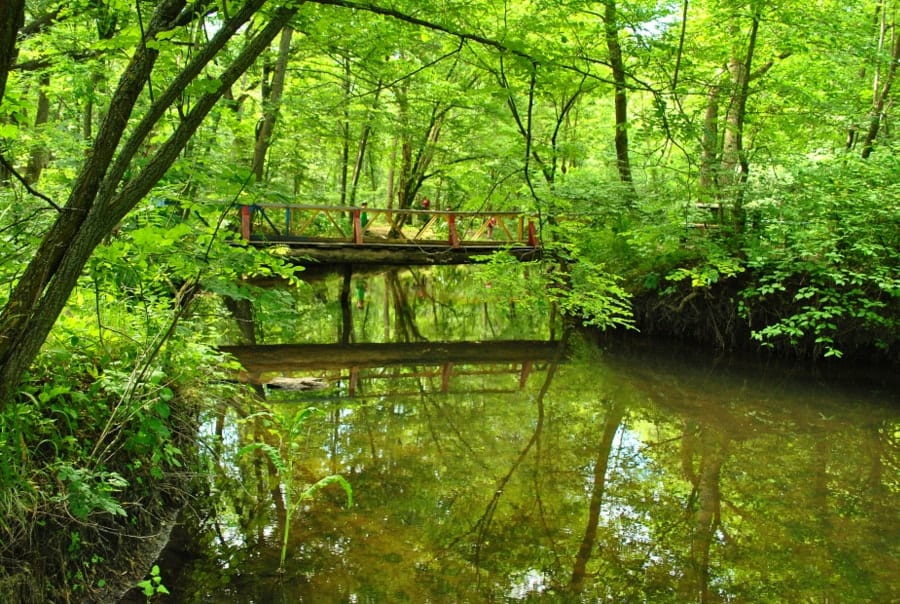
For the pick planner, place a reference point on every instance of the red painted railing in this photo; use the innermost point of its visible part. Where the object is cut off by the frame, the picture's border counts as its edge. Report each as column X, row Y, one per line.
column 363, row 225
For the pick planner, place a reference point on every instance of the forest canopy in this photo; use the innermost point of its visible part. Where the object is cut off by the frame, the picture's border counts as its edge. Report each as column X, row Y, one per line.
column 692, row 141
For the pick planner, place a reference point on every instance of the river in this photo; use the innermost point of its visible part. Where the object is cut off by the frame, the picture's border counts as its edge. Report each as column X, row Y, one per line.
column 576, row 475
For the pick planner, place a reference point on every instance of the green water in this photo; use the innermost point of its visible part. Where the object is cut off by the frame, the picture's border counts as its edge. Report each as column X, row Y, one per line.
column 611, row 476
column 653, row 477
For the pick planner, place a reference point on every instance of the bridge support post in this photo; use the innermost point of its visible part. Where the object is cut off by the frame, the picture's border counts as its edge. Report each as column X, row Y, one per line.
column 357, row 227
column 451, row 226
column 245, row 222
column 532, row 234
column 446, row 372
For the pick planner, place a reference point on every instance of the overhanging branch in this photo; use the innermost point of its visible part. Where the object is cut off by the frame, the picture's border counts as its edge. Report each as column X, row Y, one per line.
column 25, row 184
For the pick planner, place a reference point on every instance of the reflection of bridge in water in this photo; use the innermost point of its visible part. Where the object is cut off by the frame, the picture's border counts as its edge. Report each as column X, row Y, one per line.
column 432, row 364
column 361, row 235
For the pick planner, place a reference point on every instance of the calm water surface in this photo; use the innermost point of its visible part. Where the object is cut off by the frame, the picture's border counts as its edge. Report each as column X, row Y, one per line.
column 609, row 477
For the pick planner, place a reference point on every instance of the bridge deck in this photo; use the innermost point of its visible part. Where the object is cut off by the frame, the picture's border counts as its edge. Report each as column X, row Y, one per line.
column 361, row 235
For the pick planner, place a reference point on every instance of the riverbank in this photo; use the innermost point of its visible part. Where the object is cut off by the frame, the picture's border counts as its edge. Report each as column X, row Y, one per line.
column 92, row 507
column 729, row 316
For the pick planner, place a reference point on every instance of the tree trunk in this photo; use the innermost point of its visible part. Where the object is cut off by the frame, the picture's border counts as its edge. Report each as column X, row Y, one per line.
column 735, row 165
column 12, row 18
column 271, row 105
column 709, row 158
column 39, row 154
column 623, row 160
column 880, row 101
column 361, row 150
column 345, row 132
column 101, row 196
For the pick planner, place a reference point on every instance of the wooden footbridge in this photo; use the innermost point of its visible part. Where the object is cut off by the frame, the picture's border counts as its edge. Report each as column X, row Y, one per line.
column 315, row 234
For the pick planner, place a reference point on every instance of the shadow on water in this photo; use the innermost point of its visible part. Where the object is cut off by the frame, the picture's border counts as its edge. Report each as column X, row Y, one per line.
column 652, row 477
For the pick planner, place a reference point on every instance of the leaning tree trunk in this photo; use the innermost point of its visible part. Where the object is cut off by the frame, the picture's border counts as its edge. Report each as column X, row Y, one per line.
column 101, row 195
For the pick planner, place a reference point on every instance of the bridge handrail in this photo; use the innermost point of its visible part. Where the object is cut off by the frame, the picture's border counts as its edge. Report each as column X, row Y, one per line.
column 371, row 210
column 362, row 217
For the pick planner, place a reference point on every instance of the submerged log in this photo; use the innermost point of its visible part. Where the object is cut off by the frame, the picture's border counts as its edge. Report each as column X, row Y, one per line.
column 301, row 383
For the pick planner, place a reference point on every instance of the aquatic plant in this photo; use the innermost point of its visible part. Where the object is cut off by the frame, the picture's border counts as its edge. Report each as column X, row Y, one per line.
column 290, row 432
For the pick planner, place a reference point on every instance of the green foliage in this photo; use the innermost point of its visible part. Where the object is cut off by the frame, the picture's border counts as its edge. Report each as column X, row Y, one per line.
column 593, row 295
column 516, row 112
column 712, row 270
column 826, row 251
column 288, row 429
column 153, row 585
column 87, row 492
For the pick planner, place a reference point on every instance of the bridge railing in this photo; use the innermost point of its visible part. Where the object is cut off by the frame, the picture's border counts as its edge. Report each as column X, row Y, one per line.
column 361, row 224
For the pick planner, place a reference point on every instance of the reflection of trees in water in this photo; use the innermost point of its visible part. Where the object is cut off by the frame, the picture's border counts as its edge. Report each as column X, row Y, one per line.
column 601, row 465
column 695, row 493
column 405, row 327
column 482, row 526
column 711, row 446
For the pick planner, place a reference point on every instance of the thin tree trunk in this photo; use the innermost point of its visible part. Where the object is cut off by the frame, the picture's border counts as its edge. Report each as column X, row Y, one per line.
column 390, row 175
column 39, row 154
column 881, row 100
column 345, row 132
column 361, row 150
column 736, row 166
column 271, row 105
column 623, row 160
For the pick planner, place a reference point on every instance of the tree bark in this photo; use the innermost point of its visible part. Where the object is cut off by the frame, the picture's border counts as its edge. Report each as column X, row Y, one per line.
column 101, row 197
column 735, row 164
column 345, row 131
column 12, row 18
column 709, row 143
column 39, row 154
column 271, row 105
column 361, row 150
column 881, row 100
column 623, row 159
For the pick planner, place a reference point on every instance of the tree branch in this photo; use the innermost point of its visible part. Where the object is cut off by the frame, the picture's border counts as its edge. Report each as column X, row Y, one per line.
column 25, row 184
column 400, row 16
